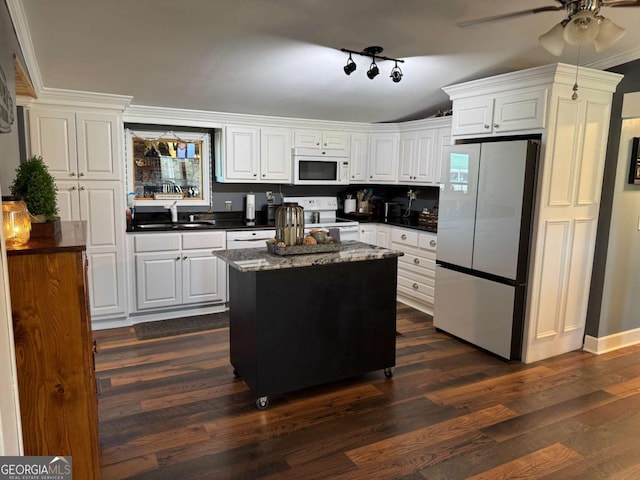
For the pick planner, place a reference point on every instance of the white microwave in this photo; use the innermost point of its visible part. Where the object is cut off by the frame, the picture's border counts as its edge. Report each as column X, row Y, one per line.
column 320, row 167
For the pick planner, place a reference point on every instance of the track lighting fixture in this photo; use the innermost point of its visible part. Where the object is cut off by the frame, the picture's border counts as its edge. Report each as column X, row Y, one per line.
column 373, row 70
column 373, row 52
column 396, row 73
column 350, row 67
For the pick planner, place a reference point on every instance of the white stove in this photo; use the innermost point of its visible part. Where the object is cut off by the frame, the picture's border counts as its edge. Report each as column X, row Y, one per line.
column 325, row 209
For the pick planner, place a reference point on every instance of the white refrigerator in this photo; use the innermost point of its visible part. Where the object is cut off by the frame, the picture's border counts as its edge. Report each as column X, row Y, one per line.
column 484, row 217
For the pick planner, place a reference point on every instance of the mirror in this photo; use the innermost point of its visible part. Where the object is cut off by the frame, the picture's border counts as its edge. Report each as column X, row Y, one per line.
column 170, row 166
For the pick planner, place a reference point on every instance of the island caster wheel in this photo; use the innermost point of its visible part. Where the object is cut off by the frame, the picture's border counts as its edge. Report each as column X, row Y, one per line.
column 262, row 403
column 388, row 372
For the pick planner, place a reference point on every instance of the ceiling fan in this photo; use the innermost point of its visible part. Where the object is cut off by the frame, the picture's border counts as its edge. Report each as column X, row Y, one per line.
column 583, row 24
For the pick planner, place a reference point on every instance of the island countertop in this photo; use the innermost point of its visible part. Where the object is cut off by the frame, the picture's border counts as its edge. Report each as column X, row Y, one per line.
column 257, row 259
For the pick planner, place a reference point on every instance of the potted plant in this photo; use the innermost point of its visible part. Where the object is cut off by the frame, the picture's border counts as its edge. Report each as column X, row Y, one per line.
column 36, row 187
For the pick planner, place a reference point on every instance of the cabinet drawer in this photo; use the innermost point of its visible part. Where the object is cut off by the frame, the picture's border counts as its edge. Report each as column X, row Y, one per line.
column 427, row 241
column 217, row 240
column 404, row 237
column 156, row 242
column 413, row 287
column 421, row 265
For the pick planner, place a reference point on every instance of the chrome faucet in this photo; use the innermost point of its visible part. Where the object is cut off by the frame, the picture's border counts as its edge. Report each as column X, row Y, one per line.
column 173, row 209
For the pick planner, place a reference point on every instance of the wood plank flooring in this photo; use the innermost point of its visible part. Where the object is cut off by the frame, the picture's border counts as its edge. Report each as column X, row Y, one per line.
column 170, row 408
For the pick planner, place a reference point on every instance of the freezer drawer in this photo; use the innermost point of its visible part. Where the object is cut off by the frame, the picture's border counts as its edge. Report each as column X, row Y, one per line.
column 479, row 311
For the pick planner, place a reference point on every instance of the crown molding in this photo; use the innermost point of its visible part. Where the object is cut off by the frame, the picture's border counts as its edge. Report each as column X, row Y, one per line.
column 615, row 60
column 19, row 19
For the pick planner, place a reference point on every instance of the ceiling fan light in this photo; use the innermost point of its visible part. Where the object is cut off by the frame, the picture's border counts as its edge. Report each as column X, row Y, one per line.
column 553, row 40
column 609, row 34
column 583, row 28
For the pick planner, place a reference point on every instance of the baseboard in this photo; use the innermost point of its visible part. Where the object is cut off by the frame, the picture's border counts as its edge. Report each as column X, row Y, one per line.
column 169, row 314
column 599, row 345
column 428, row 309
column 97, row 324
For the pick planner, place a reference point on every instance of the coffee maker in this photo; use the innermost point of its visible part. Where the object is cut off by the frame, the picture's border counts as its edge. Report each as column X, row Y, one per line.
column 270, row 209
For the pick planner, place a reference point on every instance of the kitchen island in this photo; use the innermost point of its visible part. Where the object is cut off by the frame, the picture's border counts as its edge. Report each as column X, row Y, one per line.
column 303, row 320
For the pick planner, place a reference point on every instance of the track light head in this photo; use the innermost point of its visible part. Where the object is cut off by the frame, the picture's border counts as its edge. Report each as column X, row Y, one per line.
column 350, row 67
column 373, row 70
column 396, row 74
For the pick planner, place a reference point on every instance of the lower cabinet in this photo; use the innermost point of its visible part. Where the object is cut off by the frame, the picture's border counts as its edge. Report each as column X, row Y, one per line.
column 173, row 269
column 416, row 268
column 368, row 233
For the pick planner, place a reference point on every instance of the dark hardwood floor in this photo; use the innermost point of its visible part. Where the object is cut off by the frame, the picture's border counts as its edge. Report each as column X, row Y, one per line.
column 170, row 408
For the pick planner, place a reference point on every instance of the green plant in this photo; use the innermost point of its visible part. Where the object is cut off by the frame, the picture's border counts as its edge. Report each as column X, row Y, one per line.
column 35, row 185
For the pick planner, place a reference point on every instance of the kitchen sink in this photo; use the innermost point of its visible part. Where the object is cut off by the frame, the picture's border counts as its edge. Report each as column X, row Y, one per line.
column 154, row 226
column 169, row 226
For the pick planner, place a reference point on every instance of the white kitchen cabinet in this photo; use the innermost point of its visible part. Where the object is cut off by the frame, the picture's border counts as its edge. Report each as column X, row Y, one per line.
column 241, row 162
column 82, row 150
column 176, row 269
column 321, row 139
column 574, row 134
column 80, row 145
column 255, row 154
column 368, row 233
column 359, row 157
column 417, row 157
column 501, row 113
column 383, row 236
column 275, row 155
column 443, row 139
column 383, row 157
column 416, row 268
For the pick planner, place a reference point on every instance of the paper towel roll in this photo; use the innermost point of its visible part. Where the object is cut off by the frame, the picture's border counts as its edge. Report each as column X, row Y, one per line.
column 251, row 207
column 350, row 205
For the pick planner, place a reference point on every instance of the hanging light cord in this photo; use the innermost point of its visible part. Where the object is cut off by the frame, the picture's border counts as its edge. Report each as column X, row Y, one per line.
column 575, row 85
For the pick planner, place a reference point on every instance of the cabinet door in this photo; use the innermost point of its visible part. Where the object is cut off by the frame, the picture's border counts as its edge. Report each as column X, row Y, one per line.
column 406, row 170
column 383, row 157
column 101, row 207
column 242, row 154
column 303, row 138
column 203, row 277
column 473, row 116
column 368, row 233
column 358, row 164
column 98, row 140
column 158, row 279
column 521, row 111
column 275, row 155
column 383, row 236
column 335, row 140
column 443, row 139
column 68, row 200
column 424, row 164
column 53, row 136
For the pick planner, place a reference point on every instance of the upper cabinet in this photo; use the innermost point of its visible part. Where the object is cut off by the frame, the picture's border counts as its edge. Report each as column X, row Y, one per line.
column 166, row 167
column 76, row 145
column 518, row 111
column 254, row 154
column 417, row 157
column 359, row 157
column 324, row 139
column 383, row 157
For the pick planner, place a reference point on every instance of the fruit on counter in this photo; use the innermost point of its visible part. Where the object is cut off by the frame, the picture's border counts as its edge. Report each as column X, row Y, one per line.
column 309, row 240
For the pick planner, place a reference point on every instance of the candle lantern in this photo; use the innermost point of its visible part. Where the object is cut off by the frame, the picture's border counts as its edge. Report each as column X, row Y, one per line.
column 16, row 221
column 290, row 224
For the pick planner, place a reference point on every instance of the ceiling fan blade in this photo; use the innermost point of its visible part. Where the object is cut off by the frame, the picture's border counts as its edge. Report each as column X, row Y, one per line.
column 478, row 21
column 621, row 3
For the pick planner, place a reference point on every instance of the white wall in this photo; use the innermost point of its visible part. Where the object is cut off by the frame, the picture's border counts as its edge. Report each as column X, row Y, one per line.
column 620, row 310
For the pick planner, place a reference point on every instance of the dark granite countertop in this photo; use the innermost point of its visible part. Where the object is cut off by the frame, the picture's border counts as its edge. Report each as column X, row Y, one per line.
column 160, row 222
column 257, row 259
column 407, row 222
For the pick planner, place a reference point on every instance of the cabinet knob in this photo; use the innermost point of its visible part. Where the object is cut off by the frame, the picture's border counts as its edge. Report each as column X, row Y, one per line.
column 487, row 127
column 255, row 174
column 184, row 258
column 317, row 144
column 495, row 125
column 72, row 174
column 74, row 188
column 416, row 261
column 82, row 188
column 177, row 259
column 264, row 174
column 81, row 174
column 415, row 286
column 403, row 237
column 432, row 243
column 371, row 176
